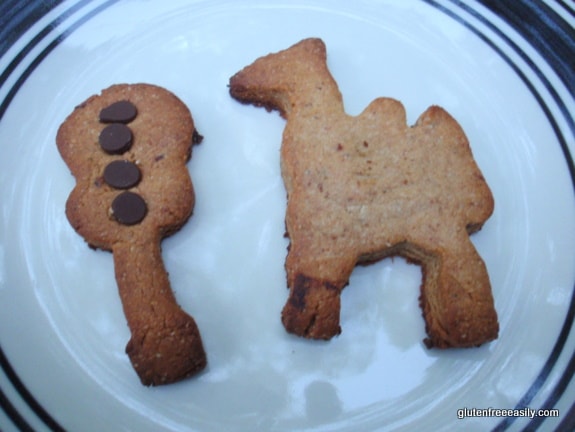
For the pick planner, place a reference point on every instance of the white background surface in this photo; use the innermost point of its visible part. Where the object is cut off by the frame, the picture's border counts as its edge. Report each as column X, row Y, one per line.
column 65, row 332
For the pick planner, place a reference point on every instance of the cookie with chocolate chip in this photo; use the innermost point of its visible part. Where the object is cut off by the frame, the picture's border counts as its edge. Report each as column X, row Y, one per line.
column 127, row 149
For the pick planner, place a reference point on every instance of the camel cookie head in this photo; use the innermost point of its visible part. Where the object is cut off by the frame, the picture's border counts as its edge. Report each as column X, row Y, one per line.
column 269, row 81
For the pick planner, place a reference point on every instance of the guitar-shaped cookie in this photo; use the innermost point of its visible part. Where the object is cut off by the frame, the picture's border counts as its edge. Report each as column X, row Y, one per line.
column 127, row 149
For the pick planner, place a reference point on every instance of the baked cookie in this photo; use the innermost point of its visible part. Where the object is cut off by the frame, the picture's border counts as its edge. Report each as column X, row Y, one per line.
column 362, row 188
column 127, row 149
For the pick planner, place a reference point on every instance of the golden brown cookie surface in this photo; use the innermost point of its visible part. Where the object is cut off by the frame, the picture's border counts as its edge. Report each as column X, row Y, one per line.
column 366, row 187
column 127, row 149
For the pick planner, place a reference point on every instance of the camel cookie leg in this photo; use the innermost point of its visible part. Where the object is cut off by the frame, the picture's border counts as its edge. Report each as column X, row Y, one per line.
column 313, row 307
column 165, row 345
column 456, row 299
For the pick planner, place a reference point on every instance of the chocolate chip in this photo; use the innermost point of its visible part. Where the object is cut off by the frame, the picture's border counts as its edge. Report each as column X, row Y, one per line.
column 129, row 208
column 116, row 138
column 119, row 112
column 122, row 174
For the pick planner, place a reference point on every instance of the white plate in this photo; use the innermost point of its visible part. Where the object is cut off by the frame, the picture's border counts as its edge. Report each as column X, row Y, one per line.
column 62, row 330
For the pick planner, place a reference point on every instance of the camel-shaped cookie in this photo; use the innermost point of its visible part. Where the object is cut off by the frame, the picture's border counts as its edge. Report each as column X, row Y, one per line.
column 362, row 188
column 127, row 149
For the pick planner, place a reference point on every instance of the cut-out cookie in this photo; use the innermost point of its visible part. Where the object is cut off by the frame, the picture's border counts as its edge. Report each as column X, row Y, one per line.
column 127, row 149
column 366, row 187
